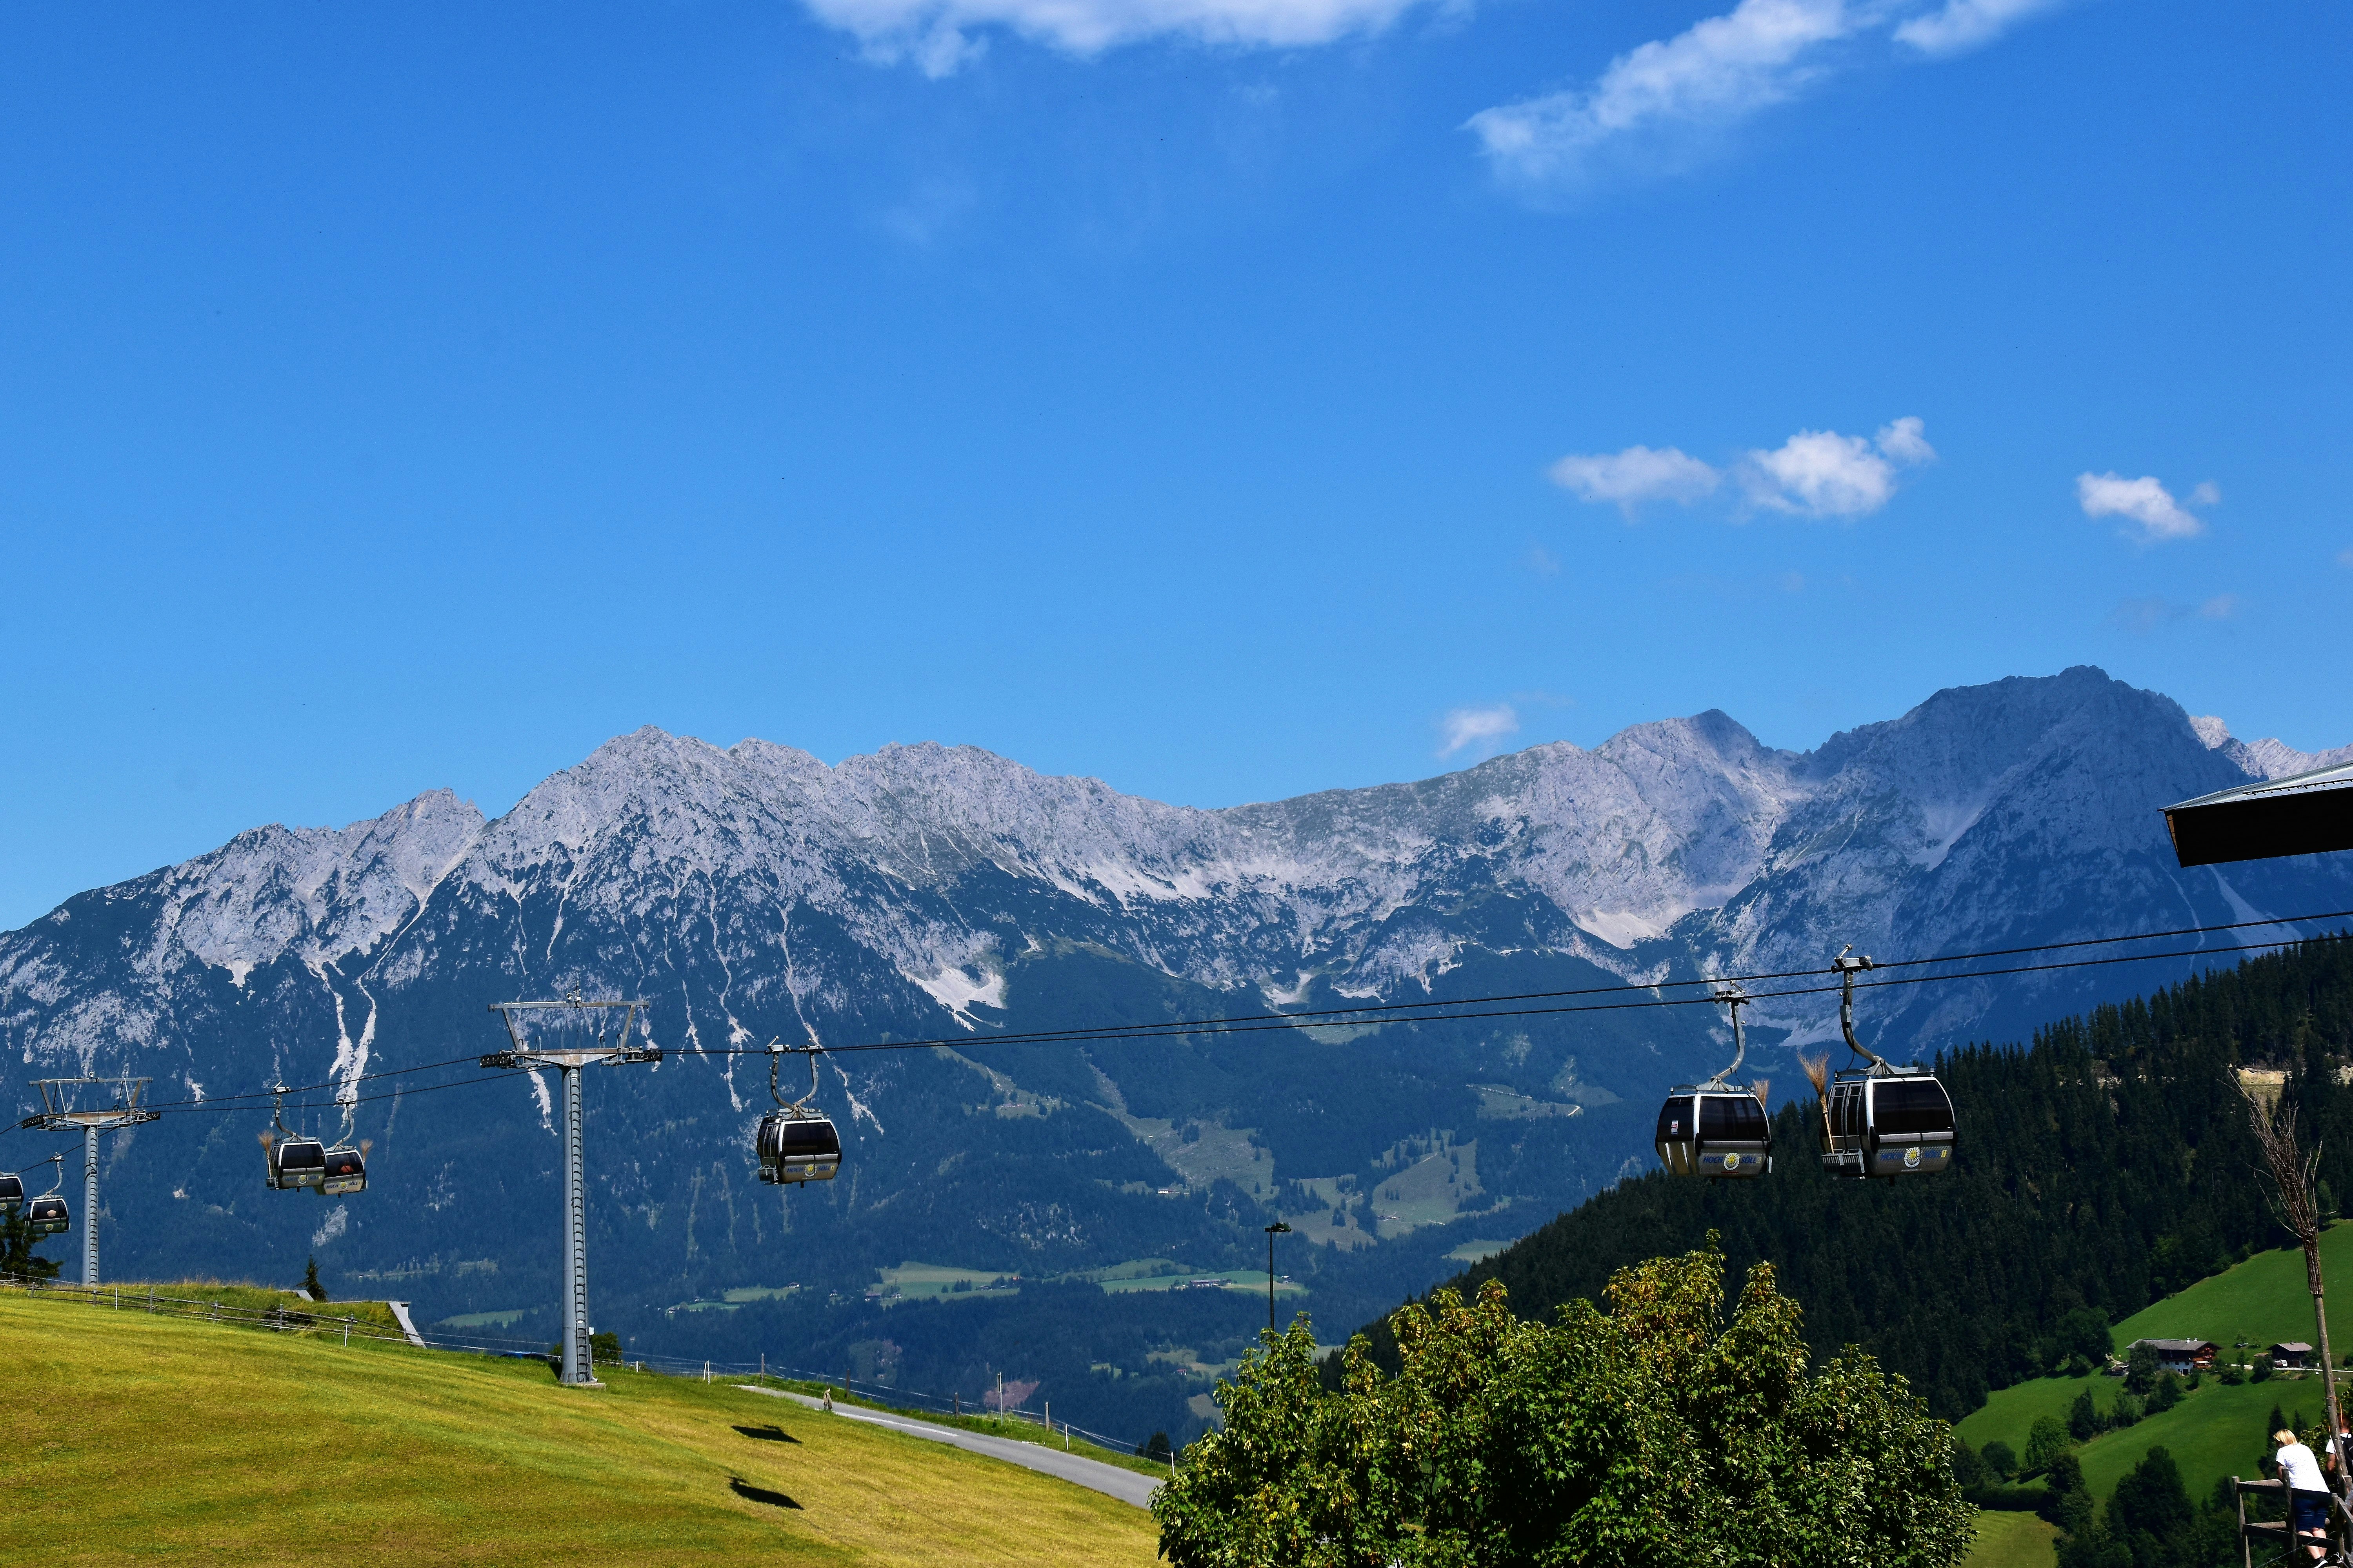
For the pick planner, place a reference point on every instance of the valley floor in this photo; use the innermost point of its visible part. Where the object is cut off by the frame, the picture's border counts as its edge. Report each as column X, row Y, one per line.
column 142, row 1438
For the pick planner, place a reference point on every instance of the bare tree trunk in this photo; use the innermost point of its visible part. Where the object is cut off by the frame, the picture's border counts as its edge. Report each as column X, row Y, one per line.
column 2296, row 1205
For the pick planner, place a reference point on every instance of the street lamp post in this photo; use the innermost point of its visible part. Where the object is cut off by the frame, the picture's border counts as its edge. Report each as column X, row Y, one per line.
column 1277, row 1228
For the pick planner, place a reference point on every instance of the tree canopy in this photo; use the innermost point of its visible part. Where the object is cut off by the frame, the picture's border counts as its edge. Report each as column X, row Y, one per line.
column 1652, row 1432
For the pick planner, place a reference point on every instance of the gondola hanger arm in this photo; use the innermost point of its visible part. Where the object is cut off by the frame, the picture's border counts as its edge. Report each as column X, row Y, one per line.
column 1846, row 968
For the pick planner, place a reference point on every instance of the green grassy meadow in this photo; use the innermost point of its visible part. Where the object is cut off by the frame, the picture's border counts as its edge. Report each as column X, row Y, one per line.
column 138, row 1437
column 2263, row 1300
column 2216, row 1430
column 2011, row 1540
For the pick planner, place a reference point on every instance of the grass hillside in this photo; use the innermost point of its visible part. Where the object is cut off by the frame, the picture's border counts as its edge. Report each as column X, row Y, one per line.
column 2011, row 1540
column 175, row 1441
column 2262, row 1301
column 2217, row 1430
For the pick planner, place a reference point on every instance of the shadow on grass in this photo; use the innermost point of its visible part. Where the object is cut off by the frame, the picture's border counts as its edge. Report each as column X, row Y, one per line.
column 750, row 1493
column 768, row 1433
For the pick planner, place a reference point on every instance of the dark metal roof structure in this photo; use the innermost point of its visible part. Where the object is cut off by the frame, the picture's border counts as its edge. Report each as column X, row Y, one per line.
column 2303, row 814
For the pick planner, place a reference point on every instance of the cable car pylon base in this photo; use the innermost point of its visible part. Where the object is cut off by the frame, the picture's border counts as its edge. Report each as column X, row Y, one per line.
column 612, row 1047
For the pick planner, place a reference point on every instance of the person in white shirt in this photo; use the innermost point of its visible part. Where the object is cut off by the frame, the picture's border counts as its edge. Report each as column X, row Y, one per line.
column 2307, row 1492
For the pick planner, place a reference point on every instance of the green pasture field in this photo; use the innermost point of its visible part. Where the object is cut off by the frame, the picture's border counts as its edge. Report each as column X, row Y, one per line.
column 1248, row 1278
column 2263, row 1300
column 2011, row 1540
column 137, row 1439
column 913, row 1280
column 2216, row 1430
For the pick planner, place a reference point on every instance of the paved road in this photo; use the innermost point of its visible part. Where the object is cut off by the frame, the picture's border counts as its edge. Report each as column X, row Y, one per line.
column 1128, row 1486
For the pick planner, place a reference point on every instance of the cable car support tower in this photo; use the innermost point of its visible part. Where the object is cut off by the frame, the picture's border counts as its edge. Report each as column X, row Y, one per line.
column 63, row 1110
column 593, row 1023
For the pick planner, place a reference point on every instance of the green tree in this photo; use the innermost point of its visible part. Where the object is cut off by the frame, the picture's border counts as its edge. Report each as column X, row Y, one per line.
column 1296, row 1477
column 310, row 1286
column 2000, row 1459
column 2046, row 1441
column 2167, row 1393
column 2083, row 1333
column 2083, row 1422
column 1970, row 1468
column 1616, row 1436
column 2150, row 1502
column 2141, row 1368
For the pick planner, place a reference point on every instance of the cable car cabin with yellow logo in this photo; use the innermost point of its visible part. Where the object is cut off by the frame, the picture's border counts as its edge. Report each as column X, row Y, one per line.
column 1714, row 1133
column 1718, row 1128
column 1887, row 1124
column 346, row 1172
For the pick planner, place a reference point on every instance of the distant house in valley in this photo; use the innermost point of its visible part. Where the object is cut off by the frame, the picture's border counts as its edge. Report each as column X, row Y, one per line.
column 2182, row 1355
column 2294, row 1355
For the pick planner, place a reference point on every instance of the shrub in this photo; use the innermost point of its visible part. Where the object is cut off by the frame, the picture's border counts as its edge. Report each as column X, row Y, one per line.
column 1999, row 1458
column 2167, row 1393
column 2263, row 1368
column 2083, row 1419
column 2126, row 1411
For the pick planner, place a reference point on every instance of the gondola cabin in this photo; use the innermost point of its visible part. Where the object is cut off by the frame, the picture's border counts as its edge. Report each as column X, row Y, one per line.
column 295, row 1162
column 12, row 1191
column 346, row 1172
column 1887, row 1124
column 49, row 1216
column 798, row 1148
column 1714, row 1133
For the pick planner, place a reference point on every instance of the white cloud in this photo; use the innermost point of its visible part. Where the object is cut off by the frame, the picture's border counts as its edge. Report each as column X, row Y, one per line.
column 1719, row 70
column 1814, row 473
column 936, row 36
column 2143, row 501
column 1821, row 473
column 1905, row 441
column 1636, row 475
column 2345, row 558
column 1480, row 726
column 2142, row 617
column 1960, row 26
column 1659, row 106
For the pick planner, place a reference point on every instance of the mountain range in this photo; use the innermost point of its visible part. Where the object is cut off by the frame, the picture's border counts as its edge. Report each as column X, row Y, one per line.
column 754, row 893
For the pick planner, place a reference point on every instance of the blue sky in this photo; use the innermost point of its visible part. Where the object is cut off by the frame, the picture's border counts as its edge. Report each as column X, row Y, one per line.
column 1225, row 398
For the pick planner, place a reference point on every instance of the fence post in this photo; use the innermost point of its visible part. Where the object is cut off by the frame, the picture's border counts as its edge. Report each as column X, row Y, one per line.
column 151, row 1300
column 347, row 1331
column 215, row 1316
